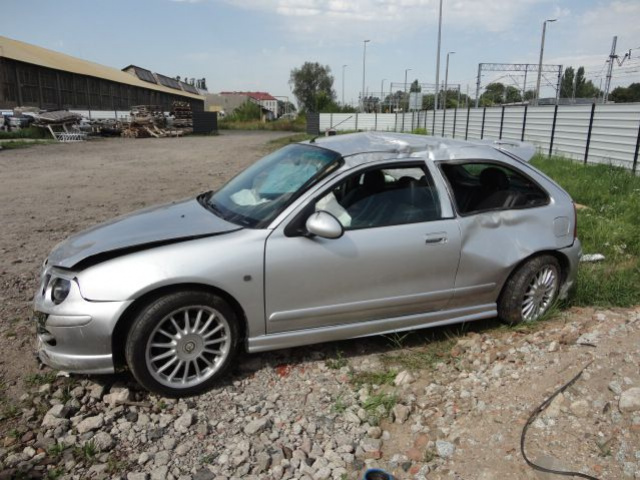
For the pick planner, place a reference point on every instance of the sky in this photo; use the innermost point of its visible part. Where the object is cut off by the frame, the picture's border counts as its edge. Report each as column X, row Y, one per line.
column 254, row 44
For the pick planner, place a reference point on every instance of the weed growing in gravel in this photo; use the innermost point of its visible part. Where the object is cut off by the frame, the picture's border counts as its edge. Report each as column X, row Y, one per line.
column 336, row 363
column 609, row 225
column 378, row 406
column 56, row 449
column 36, row 379
column 55, row 473
column 86, row 452
column 420, row 358
column 339, row 405
column 359, row 379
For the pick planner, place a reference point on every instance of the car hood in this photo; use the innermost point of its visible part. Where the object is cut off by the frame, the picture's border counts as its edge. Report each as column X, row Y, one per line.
column 148, row 228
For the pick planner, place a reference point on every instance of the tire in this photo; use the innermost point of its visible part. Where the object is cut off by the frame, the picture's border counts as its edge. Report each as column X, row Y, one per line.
column 531, row 291
column 182, row 343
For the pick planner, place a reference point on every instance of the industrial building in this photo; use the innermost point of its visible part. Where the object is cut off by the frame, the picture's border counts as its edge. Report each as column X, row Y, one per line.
column 37, row 77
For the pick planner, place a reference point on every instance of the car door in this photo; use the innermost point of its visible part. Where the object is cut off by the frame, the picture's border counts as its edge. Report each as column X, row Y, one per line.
column 398, row 256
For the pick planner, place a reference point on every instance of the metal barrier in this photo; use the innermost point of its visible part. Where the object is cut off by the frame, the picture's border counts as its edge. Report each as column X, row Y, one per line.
column 589, row 133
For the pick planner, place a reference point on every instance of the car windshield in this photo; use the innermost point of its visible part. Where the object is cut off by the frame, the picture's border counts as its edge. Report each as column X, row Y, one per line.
column 257, row 195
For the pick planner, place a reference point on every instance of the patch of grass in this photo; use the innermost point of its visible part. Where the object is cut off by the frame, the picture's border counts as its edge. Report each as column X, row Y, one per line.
column 336, row 363
column 9, row 411
column 54, row 474
column 115, row 465
column 609, row 225
column 438, row 350
column 339, row 405
column 429, row 456
column 420, row 131
column 56, row 449
column 385, row 377
column 86, row 452
column 29, row 132
column 386, row 400
column 36, row 379
column 281, row 125
column 12, row 145
column 284, row 141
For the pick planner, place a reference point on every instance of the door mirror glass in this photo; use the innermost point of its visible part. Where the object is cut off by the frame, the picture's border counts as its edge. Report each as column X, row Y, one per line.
column 324, row 225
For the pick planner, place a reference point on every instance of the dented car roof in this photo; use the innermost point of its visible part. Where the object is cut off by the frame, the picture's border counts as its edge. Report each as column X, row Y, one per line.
column 411, row 145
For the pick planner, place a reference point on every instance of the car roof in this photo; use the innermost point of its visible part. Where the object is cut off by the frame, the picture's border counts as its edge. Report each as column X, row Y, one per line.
column 364, row 147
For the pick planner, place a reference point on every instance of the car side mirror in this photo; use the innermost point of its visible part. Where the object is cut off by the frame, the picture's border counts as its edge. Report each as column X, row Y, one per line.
column 324, row 225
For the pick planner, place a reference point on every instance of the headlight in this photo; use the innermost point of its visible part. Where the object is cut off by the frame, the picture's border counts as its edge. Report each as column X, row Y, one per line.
column 60, row 289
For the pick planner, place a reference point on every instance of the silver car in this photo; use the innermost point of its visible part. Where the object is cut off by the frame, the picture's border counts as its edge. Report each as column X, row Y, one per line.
column 339, row 237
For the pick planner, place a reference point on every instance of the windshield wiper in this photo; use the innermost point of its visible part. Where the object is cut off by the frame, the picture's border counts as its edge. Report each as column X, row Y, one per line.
column 204, row 200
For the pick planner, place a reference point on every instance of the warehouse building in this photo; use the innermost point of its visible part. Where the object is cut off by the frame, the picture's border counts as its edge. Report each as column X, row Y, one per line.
column 37, row 77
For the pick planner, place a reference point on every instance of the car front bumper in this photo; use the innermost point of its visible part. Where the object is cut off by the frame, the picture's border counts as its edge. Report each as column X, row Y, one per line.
column 76, row 336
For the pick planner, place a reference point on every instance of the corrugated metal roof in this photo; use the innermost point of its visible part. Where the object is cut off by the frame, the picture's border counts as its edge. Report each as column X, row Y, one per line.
column 43, row 57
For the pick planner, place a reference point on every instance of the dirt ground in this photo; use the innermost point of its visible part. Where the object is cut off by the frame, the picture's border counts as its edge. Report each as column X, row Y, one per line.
column 51, row 191
column 475, row 405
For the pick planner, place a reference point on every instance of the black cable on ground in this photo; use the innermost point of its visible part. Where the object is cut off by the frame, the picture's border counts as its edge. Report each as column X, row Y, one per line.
column 532, row 418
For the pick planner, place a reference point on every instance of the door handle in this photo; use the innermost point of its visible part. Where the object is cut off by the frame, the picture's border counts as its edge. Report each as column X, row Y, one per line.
column 435, row 238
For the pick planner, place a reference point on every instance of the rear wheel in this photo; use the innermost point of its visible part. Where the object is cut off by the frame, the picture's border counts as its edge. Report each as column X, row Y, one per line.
column 531, row 290
column 181, row 344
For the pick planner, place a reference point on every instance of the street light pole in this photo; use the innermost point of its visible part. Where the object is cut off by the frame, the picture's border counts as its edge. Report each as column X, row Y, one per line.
column 343, row 67
column 438, row 57
column 544, row 29
column 381, row 93
column 405, row 88
column 446, row 80
column 364, row 59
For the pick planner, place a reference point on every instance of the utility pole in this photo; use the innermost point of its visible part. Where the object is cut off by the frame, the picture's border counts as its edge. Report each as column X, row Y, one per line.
column 343, row 67
column 364, row 60
column 446, row 80
column 544, row 29
column 524, row 85
column 612, row 57
column 381, row 93
column 478, row 85
column 405, row 89
column 438, row 57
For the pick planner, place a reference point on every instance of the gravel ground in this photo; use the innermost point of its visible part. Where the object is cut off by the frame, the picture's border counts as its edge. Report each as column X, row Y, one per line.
column 435, row 404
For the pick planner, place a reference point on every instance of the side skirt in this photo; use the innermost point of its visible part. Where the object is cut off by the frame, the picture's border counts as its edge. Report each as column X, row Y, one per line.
column 310, row 336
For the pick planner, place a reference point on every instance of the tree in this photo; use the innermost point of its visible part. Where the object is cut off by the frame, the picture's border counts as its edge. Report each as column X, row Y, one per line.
column 497, row 93
column 415, row 86
column 246, row 112
column 626, row 94
column 566, row 85
column 313, row 86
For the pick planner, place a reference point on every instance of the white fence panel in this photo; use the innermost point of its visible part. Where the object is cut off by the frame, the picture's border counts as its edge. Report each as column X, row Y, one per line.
column 475, row 123
column 538, row 128
column 492, row 123
column 512, row 127
column 461, row 123
column 572, row 127
column 614, row 134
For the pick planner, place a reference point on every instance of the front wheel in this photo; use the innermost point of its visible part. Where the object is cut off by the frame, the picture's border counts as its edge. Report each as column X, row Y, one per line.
column 531, row 290
column 181, row 343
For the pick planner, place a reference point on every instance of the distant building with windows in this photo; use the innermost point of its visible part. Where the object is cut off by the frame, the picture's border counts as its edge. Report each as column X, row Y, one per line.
column 267, row 101
column 38, row 77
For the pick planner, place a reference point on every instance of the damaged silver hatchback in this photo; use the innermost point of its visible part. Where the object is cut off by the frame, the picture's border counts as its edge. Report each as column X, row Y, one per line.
column 335, row 238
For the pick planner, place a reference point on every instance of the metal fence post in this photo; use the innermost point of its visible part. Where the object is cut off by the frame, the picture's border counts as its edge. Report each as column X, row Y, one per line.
column 455, row 114
column 501, row 123
column 444, row 116
column 375, row 121
column 635, row 155
column 586, row 148
column 524, row 122
column 553, row 129
column 484, row 114
column 433, row 125
column 331, row 120
column 466, row 130
column 356, row 121
column 395, row 123
column 426, row 114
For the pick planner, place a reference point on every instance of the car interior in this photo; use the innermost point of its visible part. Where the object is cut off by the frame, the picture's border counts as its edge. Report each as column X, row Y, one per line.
column 479, row 187
column 388, row 196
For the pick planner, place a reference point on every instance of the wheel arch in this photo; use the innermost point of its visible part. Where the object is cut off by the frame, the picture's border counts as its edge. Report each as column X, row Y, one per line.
column 562, row 260
column 125, row 322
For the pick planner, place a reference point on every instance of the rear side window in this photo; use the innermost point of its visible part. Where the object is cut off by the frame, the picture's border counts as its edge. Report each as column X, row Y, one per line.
column 479, row 187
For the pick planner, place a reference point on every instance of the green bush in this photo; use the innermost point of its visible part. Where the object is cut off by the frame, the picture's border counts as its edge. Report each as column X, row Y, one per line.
column 29, row 132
